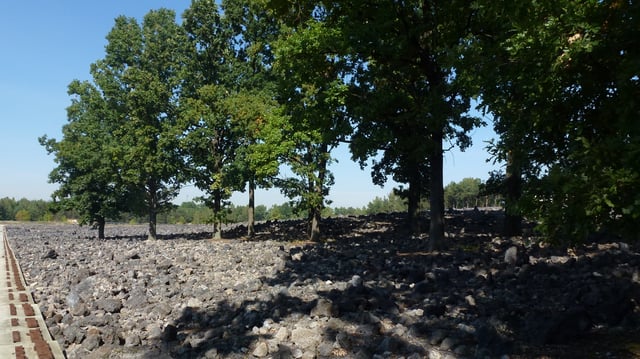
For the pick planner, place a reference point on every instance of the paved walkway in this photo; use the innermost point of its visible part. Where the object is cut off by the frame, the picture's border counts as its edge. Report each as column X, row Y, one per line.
column 23, row 332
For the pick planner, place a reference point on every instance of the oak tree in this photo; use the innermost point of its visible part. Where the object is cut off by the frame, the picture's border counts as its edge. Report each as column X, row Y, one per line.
column 140, row 79
column 89, row 179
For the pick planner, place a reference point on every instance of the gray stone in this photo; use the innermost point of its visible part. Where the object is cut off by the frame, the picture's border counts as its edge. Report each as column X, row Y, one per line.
column 109, row 305
column 448, row 343
column 358, row 293
column 324, row 308
column 325, row 349
column 297, row 353
column 437, row 336
column 511, row 255
column 72, row 334
column 261, row 350
column 91, row 342
column 470, row 300
column 305, row 338
column 132, row 340
column 79, row 309
column 154, row 331
column 282, row 334
column 356, row 281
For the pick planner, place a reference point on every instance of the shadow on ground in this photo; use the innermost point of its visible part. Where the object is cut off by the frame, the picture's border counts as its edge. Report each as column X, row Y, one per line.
column 397, row 299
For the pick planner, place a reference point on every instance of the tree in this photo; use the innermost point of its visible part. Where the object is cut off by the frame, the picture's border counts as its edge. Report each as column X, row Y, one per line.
column 253, row 30
column 405, row 101
column 389, row 204
column 89, row 181
column 139, row 77
column 594, row 183
column 462, row 194
column 23, row 215
column 209, row 137
column 312, row 92
column 508, row 94
column 8, row 208
column 562, row 78
column 210, row 145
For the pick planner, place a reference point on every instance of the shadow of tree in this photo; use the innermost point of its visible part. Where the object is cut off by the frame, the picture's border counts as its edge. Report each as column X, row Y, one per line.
column 368, row 289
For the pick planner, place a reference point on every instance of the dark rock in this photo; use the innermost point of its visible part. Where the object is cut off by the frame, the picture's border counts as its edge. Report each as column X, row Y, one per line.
column 91, row 342
column 323, row 308
column 169, row 333
column 435, row 310
column 137, row 299
column 367, row 291
column 424, row 287
column 79, row 309
column 490, row 341
column 51, row 254
column 557, row 327
column 154, row 332
column 109, row 335
column 109, row 305
column 73, row 334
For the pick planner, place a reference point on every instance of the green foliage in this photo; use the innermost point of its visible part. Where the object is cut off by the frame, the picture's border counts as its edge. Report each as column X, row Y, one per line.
column 23, row 215
column 398, row 62
column 140, row 78
column 239, row 90
column 38, row 210
column 312, row 92
column 389, row 204
column 462, row 194
column 282, row 211
column 189, row 212
column 348, row 211
column 89, row 180
column 208, row 138
column 228, row 98
column 561, row 81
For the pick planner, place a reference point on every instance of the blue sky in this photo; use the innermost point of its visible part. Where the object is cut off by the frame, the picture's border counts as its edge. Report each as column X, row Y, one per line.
column 44, row 45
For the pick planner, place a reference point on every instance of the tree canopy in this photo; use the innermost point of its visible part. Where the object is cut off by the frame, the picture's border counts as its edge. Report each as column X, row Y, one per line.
column 239, row 89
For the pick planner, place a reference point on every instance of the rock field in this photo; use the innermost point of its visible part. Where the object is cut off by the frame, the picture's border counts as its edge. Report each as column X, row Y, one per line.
column 368, row 290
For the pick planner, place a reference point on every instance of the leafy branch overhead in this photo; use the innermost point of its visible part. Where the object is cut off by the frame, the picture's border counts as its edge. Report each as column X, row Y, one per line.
column 238, row 90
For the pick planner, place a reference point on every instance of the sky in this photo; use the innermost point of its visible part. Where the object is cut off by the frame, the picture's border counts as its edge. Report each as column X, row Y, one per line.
column 44, row 45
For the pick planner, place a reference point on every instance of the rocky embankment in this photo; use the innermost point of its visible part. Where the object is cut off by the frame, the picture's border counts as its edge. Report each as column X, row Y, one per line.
column 367, row 291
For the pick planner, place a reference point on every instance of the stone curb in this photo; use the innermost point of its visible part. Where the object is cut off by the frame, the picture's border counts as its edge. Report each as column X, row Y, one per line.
column 23, row 333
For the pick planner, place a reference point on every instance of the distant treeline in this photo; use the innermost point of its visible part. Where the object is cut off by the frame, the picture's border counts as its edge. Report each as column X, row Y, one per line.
column 466, row 193
column 28, row 210
column 25, row 210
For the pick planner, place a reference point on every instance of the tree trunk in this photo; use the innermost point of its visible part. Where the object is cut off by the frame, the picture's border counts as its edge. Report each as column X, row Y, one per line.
column 413, row 200
column 217, row 220
column 315, row 213
column 153, row 215
column 217, row 229
column 100, row 221
column 436, row 195
column 153, row 211
column 152, row 203
column 251, row 209
column 314, row 231
column 513, row 184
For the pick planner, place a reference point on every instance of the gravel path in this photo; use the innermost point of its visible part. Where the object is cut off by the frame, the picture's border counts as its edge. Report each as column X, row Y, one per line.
column 366, row 291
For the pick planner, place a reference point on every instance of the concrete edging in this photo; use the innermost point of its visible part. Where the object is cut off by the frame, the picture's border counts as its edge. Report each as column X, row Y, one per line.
column 23, row 332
